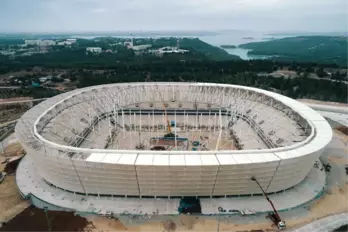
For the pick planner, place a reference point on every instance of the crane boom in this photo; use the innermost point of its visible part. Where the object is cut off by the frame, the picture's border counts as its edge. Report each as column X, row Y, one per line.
column 275, row 217
column 169, row 128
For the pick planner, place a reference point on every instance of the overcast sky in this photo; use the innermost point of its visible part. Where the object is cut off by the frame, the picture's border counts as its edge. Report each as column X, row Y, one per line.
column 128, row 15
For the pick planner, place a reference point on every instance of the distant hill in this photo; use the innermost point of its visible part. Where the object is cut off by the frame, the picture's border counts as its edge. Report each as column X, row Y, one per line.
column 321, row 49
column 208, row 50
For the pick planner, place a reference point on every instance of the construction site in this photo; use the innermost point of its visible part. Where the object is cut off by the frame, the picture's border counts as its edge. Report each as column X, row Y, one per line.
column 151, row 151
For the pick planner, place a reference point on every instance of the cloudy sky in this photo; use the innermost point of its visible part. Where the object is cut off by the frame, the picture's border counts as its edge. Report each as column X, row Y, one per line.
column 128, row 15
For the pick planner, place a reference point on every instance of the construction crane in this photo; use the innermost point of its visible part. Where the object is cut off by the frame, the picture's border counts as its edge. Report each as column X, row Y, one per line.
column 273, row 216
column 169, row 128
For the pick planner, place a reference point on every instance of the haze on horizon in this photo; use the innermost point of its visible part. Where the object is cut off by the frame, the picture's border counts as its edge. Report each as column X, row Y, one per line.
column 38, row 16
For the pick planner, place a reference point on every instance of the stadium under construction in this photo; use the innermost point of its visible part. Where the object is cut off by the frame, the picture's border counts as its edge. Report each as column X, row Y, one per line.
column 141, row 147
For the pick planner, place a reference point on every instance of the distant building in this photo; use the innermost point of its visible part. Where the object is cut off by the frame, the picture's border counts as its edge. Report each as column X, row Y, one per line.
column 47, row 43
column 129, row 44
column 40, row 43
column 31, row 42
column 44, row 79
column 71, row 40
column 94, row 49
column 172, row 50
column 65, row 43
column 7, row 53
column 141, row 47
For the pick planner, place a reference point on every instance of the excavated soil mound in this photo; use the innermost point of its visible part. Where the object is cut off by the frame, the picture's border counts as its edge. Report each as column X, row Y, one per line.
column 34, row 219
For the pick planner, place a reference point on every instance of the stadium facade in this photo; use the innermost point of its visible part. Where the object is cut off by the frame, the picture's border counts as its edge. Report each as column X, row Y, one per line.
column 100, row 140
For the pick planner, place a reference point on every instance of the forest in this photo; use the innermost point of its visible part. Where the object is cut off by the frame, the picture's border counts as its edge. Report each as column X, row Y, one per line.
column 320, row 49
column 230, row 72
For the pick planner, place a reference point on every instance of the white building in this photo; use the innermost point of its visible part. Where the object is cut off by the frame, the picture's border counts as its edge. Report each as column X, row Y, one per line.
column 47, row 43
column 31, row 42
column 163, row 50
column 94, row 49
column 39, row 42
column 44, row 79
column 141, row 47
column 65, row 43
column 129, row 44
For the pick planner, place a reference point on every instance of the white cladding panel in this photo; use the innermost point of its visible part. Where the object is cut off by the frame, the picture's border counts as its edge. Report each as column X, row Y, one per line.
column 96, row 157
column 209, row 160
column 226, row 159
column 177, row 160
column 111, row 158
column 177, row 180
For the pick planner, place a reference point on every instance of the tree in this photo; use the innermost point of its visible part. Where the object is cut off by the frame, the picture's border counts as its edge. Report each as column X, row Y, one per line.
column 320, row 72
column 57, row 79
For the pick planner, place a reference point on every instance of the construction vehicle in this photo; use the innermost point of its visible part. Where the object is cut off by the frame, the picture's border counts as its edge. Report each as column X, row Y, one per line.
column 327, row 167
column 276, row 219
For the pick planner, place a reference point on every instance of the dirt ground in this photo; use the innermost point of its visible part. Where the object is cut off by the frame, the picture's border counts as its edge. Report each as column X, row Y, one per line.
column 343, row 129
column 14, row 149
column 10, row 112
column 185, row 224
column 104, row 224
column 11, row 202
column 34, row 219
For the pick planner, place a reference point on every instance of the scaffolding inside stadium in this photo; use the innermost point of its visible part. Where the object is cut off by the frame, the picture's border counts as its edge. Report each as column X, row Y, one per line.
column 233, row 116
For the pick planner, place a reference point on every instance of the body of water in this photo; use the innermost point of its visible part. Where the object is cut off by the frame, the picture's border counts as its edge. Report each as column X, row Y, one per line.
column 241, row 52
column 237, row 38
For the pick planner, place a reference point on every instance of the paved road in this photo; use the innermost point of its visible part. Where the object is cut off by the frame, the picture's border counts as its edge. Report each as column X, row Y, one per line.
column 23, row 101
column 9, row 87
column 327, row 224
column 328, row 108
